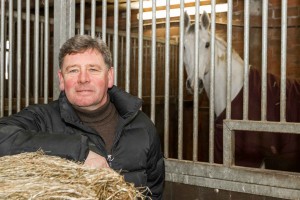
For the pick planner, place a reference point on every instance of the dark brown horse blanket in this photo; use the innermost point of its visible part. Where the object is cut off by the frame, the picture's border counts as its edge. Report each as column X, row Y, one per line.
column 277, row 150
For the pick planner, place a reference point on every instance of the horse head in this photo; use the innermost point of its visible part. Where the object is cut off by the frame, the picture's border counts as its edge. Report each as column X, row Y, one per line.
column 203, row 52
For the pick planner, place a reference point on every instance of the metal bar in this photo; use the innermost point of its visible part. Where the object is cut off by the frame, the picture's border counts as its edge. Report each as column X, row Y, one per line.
column 82, row 8
column 227, row 139
column 36, row 51
column 180, row 82
column 229, row 59
column 140, row 51
column 41, row 58
column 196, row 86
column 212, row 89
column 128, row 26
column 93, row 18
column 19, row 54
column 2, row 58
column 64, row 28
column 116, row 30
column 153, row 62
column 263, row 126
column 228, row 147
column 238, row 179
column 11, row 50
column 121, row 53
column 167, row 81
column 264, row 61
column 46, row 51
column 246, row 61
column 104, row 18
column 27, row 73
column 283, row 61
column 32, row 17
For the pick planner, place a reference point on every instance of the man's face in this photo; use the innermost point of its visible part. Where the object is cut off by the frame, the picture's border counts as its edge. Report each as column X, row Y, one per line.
column 85, row 79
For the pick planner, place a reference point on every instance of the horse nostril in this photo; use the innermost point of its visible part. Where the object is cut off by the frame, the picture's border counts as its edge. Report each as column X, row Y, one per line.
column 188, row 84
column 200, row 83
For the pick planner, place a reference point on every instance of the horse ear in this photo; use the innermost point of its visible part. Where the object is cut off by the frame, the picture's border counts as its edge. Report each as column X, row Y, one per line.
column 205, row 21
column 186, row 20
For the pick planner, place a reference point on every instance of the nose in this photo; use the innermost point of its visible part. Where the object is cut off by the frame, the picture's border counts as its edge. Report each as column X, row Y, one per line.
column 189, row 86
column 83, row 77
column 200, row 83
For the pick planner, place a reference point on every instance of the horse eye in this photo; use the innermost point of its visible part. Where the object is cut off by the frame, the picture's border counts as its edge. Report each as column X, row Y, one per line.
column 207, row 45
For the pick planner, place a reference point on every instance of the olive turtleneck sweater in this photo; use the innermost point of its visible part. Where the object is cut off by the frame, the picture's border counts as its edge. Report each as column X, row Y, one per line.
column 103, row 121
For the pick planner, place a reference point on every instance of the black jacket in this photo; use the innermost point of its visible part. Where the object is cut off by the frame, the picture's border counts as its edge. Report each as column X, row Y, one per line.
column 56, row 129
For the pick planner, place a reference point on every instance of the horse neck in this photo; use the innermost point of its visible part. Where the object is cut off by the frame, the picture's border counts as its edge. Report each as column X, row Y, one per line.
column 220, row 76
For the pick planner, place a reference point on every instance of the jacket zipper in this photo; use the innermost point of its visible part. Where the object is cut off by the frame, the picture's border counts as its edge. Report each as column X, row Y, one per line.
column 110, row 156
column 109, row 159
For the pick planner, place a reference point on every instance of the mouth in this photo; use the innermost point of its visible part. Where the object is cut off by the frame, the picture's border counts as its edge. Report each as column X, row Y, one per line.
column 84, row 91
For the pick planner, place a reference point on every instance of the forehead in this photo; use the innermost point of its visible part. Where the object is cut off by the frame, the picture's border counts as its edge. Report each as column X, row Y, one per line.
column 89, row 56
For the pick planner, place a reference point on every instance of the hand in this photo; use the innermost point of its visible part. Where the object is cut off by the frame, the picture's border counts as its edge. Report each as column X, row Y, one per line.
column 95, row 161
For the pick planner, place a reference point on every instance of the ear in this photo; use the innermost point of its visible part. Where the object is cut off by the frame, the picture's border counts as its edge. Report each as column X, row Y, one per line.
column 186, row 20
column 110, row 77
column 61, row 81
column 205, row 21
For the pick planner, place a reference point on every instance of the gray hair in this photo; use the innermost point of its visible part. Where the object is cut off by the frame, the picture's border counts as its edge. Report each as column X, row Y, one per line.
column 81, row 43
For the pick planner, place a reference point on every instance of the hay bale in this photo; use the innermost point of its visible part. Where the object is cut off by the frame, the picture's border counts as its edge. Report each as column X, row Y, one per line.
column 39, row 176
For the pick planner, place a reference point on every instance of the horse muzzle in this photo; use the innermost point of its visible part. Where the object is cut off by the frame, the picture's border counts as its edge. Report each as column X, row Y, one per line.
column 190, row 86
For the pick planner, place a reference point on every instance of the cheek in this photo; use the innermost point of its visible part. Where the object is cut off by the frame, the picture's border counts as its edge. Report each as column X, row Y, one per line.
column 68, row 83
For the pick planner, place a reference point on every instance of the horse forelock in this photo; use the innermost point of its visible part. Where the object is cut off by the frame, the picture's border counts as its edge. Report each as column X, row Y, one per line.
column 191, row 29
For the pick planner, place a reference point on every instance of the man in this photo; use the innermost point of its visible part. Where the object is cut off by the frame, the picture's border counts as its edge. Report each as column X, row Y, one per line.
column 93, row 121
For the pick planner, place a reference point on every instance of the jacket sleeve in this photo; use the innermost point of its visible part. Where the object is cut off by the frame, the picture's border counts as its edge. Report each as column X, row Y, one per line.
column 156, row 168
column 27, row 131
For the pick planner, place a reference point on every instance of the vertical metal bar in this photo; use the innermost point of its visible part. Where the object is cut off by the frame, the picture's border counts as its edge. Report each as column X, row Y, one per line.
column 264, row 61
column 121, row 48
column 64, row 28
column 229, row 142
column 116, row 32
column 140, row 54
column 246, row 61
column 46, row 51
column 19, row 53
column 11, row 50
column 104, row 18
column 41, row 58
column 229, row 70
column 212, row 86
column 196, row 86
column 2, row 58
column 134, row 58
column 167, row 81
column 82, row 6
column 93, row 18
column 153, row 61
column 283, row 61
column 128, row 26
column 180, row 82
column 229, row 60
column 36, row 51
column 27, row 74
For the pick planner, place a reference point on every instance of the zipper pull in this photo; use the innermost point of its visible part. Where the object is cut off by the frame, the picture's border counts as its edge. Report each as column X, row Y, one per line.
column 109, row 159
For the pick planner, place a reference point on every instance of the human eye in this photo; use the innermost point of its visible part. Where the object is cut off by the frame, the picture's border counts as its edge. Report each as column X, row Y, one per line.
column 72, row 69
column 94, row 68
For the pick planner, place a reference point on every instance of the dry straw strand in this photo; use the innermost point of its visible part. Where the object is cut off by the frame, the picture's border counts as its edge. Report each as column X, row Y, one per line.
column 39, row 176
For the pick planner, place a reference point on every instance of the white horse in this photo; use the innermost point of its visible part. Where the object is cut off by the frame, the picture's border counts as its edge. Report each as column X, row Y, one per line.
column 204, row 63
column 258, row 147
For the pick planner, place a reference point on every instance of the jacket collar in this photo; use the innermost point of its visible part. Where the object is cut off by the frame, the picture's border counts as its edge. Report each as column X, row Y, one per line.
column 125, row 103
